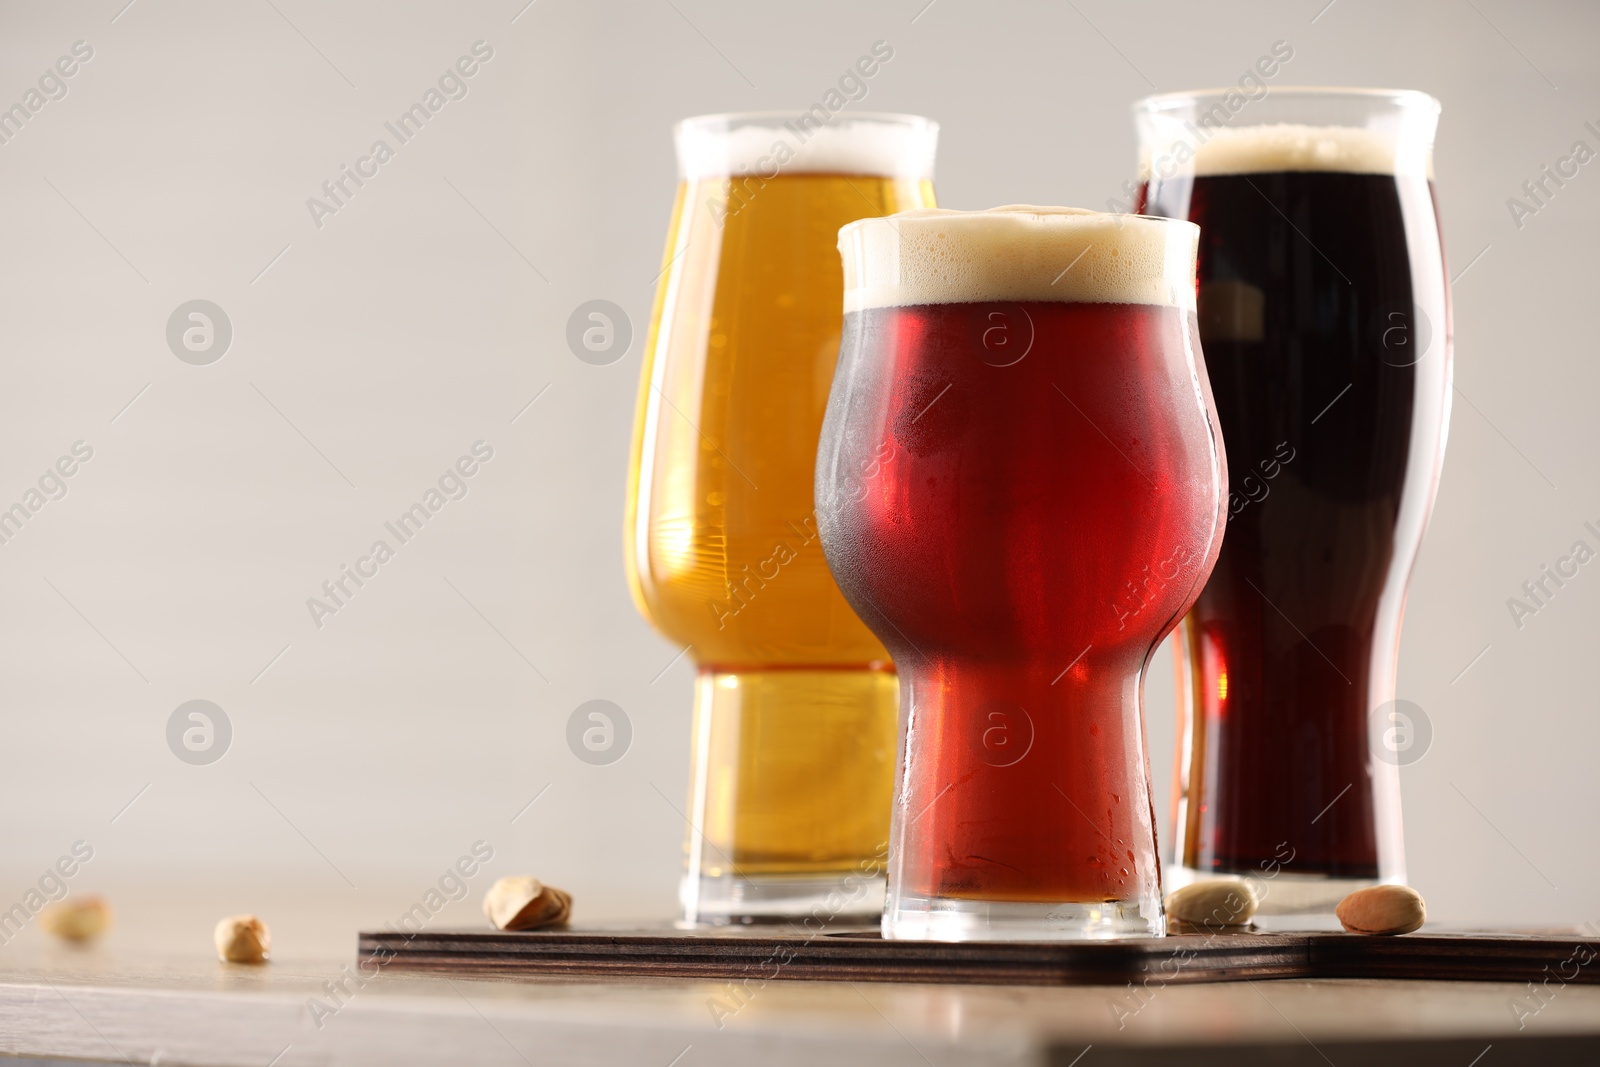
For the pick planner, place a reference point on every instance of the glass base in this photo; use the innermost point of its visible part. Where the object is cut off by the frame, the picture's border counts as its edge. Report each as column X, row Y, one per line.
column 843, row 897
column 789, row 795
column 949, row 919
column 1287, row 901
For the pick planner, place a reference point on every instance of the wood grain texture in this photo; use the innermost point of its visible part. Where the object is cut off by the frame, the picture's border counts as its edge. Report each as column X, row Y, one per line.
column 752, row 955
column 106, row 1005
column 772, row 953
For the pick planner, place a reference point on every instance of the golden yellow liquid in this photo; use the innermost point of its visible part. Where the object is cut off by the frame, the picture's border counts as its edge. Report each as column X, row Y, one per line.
column 793, row 771
column 795, row 708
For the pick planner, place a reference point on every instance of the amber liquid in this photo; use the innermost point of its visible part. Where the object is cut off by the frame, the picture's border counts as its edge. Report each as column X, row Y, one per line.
column 1022, row 559
column 796, row 700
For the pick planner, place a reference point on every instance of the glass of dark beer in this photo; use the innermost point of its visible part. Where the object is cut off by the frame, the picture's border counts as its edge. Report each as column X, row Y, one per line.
column 1020, row 490
column 1324, row 311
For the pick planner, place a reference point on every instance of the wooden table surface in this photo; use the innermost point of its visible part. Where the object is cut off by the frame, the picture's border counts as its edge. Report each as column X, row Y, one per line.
column 111, row 1006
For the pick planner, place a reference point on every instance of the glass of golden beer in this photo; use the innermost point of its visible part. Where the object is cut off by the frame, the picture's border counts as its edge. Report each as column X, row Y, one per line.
column 795, row 701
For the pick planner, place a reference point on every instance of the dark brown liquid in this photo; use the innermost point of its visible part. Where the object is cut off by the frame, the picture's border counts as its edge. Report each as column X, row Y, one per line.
column 1325, row 333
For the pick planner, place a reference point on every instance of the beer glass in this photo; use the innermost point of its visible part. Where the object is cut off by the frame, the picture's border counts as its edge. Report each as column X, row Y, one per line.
column 794, row 705
column 1020, row 489
column 1324, row 311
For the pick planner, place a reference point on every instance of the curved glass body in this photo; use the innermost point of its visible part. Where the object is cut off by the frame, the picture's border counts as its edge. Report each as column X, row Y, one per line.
column 1019, row 489
column 1324, row 311
column 795, row 698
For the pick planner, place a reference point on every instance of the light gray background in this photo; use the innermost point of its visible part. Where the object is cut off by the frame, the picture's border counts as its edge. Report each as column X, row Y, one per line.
column 433, row 307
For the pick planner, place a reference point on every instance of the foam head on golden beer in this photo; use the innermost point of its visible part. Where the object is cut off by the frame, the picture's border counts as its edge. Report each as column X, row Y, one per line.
column 887, row 146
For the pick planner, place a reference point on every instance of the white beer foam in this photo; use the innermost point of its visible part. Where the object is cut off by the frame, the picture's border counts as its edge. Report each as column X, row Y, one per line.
column 1017, row 253
column 890, row 147
column 1284, row 147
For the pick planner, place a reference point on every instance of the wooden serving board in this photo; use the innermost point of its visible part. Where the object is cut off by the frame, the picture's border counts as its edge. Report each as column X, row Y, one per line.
column 765, row 953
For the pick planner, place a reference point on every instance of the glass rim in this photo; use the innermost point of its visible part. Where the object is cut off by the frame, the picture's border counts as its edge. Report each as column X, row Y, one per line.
column 727, row 118
column 1159, row 102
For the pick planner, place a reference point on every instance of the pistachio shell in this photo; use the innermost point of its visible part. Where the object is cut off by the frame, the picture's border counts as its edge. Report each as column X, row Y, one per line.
column 1382, row 909
column 77, row 918
column 1213, row 903
column 243, row 939
column 518, row 902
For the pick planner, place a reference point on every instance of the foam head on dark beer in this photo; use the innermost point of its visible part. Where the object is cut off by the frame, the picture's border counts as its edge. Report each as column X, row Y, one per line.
column 1281, row 147
column 1015, row 254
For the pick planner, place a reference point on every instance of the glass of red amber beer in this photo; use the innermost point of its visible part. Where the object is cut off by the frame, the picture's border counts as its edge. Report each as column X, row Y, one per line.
column 1020, row 490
